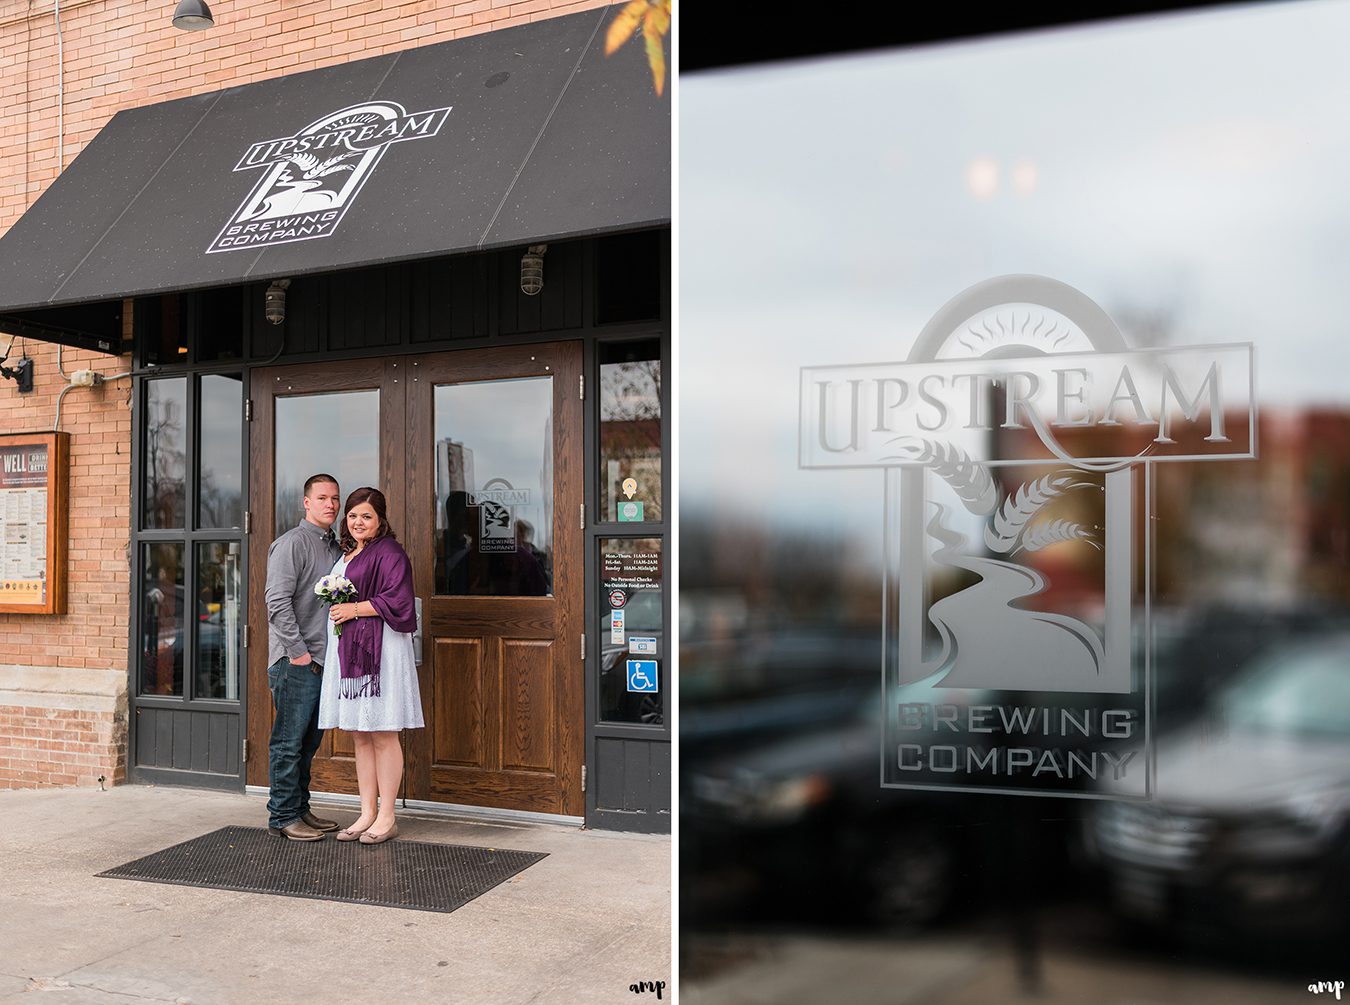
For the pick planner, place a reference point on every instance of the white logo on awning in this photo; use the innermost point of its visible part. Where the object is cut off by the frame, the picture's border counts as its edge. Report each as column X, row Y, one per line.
column 313, row 177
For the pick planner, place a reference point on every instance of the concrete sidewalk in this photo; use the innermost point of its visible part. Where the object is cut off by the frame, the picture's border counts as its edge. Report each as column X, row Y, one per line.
column 580, row 926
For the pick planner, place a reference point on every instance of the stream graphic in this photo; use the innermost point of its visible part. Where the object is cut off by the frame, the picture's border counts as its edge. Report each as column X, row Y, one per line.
column 982, row 627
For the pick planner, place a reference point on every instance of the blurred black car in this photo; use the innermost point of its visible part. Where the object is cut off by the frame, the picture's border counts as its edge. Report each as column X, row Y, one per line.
column 1249, row 831
column 806, row 817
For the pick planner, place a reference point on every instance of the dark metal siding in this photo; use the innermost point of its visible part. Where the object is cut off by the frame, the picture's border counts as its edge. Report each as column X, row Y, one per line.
column 186, row 740
column 632, row 785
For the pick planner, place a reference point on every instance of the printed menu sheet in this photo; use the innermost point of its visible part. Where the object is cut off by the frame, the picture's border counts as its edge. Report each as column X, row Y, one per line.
column 23, row 524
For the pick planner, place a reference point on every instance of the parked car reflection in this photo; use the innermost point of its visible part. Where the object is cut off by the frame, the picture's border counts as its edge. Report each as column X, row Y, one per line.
column 801, row 815
column 806, row 815
column 1250, row 828
column 164, row 636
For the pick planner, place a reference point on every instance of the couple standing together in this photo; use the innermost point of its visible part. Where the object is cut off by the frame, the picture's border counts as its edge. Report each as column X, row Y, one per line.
column 350, row 667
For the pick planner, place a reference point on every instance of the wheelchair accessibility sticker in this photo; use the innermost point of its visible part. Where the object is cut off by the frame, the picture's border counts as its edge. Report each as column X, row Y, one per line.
column 642, row 675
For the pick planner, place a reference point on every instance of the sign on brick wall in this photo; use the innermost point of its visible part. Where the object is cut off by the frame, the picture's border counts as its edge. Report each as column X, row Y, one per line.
column 34, row 476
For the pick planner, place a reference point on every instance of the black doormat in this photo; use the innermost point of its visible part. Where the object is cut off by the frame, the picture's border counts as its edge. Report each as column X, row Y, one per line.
column 419, row 875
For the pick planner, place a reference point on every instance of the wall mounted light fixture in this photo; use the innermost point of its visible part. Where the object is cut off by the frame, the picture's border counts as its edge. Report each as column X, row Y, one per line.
column 193, row 15
column 21, row 372
column 532, row 270
column 274, row 303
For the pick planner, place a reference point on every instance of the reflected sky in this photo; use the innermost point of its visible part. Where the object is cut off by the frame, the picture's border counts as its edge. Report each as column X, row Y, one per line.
column 1186, row 172
column 507, row 426
column 337, row 434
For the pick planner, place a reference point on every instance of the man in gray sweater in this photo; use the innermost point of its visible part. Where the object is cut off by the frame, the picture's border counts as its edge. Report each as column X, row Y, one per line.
column 297, row 635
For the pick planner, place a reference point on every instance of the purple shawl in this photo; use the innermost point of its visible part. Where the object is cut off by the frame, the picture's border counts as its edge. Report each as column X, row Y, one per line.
column 382, row 575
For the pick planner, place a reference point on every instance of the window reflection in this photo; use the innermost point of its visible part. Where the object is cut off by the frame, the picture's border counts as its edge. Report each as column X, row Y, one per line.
column 218, row 623
column 630, row 431
column 1197, row 206
column 221, row 459
column 494, row 488
column 165, row 452
column 336, row 434
column 161, row 635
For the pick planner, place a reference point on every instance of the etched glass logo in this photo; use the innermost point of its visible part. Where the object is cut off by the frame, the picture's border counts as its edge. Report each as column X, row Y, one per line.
column 1018, row 442
column 311, row 179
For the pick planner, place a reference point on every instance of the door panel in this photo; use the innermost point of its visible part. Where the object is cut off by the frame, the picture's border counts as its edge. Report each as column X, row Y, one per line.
column 527, row 681
column 343, row 418
column 457, row 738
column 495, row 446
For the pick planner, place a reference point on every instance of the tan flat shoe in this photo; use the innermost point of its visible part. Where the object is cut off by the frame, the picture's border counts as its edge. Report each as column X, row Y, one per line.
column 347, row 834
column 369, row 838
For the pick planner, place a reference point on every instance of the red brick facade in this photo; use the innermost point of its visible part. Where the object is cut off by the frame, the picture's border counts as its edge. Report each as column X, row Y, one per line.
column 120, row 54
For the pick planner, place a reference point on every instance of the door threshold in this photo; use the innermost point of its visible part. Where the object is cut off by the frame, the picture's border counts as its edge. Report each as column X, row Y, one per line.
column 423, row 807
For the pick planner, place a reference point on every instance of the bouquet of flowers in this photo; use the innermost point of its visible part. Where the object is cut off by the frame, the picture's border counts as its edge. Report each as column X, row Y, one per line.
column 335, row 590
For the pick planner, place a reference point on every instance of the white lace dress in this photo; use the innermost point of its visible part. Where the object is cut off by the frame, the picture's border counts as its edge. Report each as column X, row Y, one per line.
column 399, row 705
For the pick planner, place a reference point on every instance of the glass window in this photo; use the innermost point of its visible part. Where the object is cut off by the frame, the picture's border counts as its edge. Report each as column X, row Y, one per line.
column 216, row 662
column 165, row 489
column 630, row 431
column 221, row 454
column 494, row 488
column 632, row 631
column 161, row 635
column 1116, row 583
column 336, row 434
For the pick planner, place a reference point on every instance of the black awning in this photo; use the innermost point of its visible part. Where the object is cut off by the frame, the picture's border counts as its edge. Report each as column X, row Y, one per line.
column 520, row 135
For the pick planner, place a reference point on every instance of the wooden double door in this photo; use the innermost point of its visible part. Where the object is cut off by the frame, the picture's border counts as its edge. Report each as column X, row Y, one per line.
column 480, row 456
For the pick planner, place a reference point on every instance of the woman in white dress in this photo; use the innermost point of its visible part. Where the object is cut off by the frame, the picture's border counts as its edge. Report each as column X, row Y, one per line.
column 369, row 677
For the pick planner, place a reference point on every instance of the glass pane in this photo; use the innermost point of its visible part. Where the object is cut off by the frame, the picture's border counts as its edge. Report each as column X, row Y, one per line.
column 216, row 663
column 630, row 431
column 221, row 454
column 632, row 635
column 165, row 452
column 494, row 488
column 162, row 619
column 1185, row 216
column 336, row 434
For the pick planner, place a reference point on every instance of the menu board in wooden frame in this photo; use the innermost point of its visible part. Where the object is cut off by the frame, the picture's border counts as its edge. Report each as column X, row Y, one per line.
column 34, row 481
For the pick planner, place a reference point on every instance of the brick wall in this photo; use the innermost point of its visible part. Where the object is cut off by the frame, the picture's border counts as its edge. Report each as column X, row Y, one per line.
column 120, row 55
column 41, row 747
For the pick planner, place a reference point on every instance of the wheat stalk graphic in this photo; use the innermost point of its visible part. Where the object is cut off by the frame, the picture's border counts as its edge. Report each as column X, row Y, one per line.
column 969, row 479
column 315, row 168
column 1012, row 518
column 1047, row 532
column 1012, row 528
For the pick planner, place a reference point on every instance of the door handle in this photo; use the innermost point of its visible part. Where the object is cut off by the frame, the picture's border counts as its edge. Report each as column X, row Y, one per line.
column 417, row 635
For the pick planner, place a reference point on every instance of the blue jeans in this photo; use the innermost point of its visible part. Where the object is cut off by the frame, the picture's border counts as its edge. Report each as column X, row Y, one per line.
column 295, row 738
